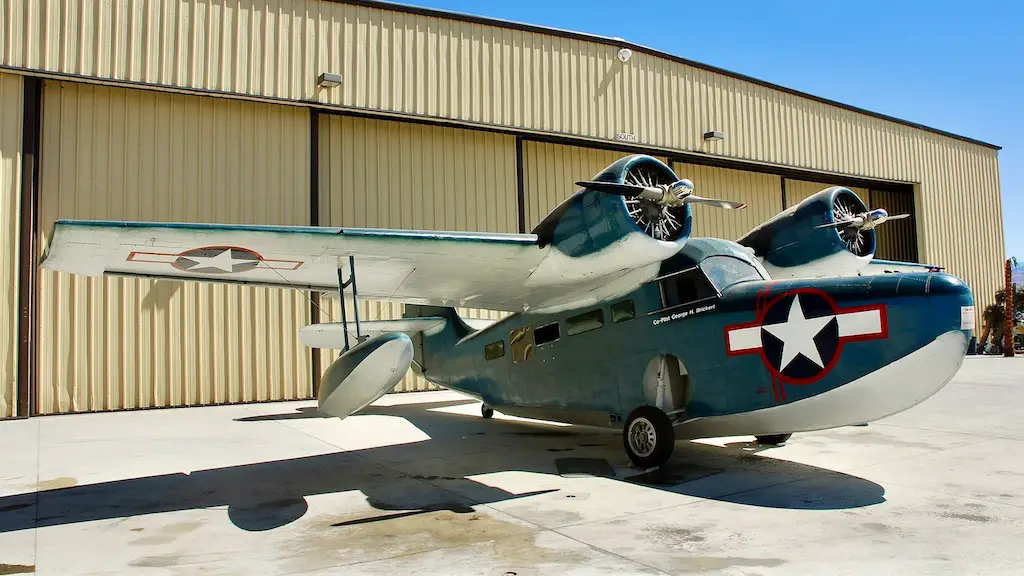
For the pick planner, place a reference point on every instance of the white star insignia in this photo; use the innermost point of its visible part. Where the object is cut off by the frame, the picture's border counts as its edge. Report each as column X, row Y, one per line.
column 797, row 335
column 225, row 261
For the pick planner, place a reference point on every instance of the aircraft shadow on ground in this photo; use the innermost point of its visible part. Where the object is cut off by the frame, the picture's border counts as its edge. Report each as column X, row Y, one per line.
column 268, row 495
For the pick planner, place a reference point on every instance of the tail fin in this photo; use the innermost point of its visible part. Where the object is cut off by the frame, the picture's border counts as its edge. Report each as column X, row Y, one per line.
column 437, row 340
column 451, row 317
column 431, row 328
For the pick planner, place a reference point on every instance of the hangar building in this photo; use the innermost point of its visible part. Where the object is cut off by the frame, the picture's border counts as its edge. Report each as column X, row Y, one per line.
column 219, row 111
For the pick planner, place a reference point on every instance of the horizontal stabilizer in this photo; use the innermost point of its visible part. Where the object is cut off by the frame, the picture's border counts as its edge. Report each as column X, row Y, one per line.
column 332, row 334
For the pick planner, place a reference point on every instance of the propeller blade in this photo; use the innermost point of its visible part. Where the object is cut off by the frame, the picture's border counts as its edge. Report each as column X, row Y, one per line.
column 727, row 204
column 628, row 190
column 838, row 224
column 612, row 187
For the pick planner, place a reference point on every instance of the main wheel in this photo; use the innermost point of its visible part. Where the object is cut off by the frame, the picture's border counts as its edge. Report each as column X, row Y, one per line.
column 773, row 439
column 648, row 437
column 486, row 411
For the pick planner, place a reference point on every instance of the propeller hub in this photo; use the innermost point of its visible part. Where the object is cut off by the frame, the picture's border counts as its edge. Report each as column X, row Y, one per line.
column 676, row 192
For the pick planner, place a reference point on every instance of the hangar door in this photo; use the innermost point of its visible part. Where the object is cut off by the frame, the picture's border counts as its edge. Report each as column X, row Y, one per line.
column 896, row 240
column 10, row 180
column 762, row 194
column 111, row 153
column 385, row 174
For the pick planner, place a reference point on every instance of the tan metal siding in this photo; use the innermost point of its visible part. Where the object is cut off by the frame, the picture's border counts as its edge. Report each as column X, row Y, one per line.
column 960, row 216
column 896, row 238
column 10, row 180
column 762, row 194
column 550, row 173
column 112, row 153
column 424, row 65
column 382, row 174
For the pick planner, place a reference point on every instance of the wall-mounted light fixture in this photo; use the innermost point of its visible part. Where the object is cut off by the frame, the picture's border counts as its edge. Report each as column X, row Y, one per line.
column 328, row 80
column 713, row 135
column 624, row 55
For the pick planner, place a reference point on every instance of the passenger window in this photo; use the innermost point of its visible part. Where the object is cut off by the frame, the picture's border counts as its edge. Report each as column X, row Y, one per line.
column 584, row 322
column 622, row 311
column 494, row 350
column 545, row 334
column 520, row 340
column 686, row 287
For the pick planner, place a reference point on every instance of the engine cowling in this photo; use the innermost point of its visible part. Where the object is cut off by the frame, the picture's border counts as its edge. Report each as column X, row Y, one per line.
column 793, row 244
column 595, row 233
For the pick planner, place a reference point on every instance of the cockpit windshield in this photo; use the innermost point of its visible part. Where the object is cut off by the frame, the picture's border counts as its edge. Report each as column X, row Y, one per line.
column 724, row 271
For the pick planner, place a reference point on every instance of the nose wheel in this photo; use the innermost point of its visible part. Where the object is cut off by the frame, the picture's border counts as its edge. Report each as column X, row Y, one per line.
column 486, row 411
column 648, row 437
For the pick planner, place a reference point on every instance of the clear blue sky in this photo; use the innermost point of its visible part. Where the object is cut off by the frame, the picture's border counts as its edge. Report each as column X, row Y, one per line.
column 956, row 66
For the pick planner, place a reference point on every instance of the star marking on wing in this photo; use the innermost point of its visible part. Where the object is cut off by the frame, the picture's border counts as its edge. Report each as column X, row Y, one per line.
column 797, row 335
column 215, row 260
column 225, row 261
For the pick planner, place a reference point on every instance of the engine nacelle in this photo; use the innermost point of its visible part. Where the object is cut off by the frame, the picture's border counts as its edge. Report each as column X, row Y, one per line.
column 791, row 245
column 596, row 233
column 364, row 373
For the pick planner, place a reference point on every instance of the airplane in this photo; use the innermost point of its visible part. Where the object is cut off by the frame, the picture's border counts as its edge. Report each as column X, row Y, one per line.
column 617, row 318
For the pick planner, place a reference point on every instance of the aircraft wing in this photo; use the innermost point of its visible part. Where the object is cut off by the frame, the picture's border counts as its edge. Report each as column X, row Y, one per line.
column 476, row 270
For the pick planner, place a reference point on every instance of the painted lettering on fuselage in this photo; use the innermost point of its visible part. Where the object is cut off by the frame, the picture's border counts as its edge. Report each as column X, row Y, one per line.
column 684, row 314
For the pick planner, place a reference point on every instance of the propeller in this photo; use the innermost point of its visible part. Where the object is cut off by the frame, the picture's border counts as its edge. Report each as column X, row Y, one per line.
column 864, row 220
column 677, row 193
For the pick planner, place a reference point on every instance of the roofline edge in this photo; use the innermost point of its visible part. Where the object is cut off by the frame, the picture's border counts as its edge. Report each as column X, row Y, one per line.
column 499, row 22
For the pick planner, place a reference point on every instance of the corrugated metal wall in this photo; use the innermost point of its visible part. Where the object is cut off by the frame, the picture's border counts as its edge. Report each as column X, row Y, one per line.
column 423, row 65
column 376, row 173
column 10, row 188
column 761, row 192
column 896, row 239
column 122, row 343
column 550, row 173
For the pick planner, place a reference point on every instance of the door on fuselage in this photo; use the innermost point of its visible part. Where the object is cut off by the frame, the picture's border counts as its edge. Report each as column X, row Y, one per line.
column 569, row 362
column 661, row 377
column 534, row 351
column 493, row 368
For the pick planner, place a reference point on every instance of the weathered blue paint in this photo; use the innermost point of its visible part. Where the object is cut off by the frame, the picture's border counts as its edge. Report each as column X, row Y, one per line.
column 919, row 308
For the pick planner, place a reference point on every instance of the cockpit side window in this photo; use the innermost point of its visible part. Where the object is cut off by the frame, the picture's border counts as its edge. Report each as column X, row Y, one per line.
column 724, row 271
column 686, row 287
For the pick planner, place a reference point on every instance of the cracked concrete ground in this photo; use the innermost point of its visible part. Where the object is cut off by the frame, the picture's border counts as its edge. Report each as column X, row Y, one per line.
column 420, row 484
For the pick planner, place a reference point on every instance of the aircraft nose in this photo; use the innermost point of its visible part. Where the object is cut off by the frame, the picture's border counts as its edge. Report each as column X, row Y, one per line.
column 951, row 303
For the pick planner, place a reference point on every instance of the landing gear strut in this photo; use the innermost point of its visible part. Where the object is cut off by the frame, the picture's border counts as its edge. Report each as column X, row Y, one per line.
column 486, row 411
column 773, row 439
column 648, row 437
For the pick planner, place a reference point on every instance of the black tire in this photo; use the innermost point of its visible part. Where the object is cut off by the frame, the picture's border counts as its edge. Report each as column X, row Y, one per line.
column 648, row 437
column 486, row 411
column 773, row 439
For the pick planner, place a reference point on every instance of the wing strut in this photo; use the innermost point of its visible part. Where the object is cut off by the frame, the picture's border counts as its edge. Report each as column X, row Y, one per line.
column 342, row 284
